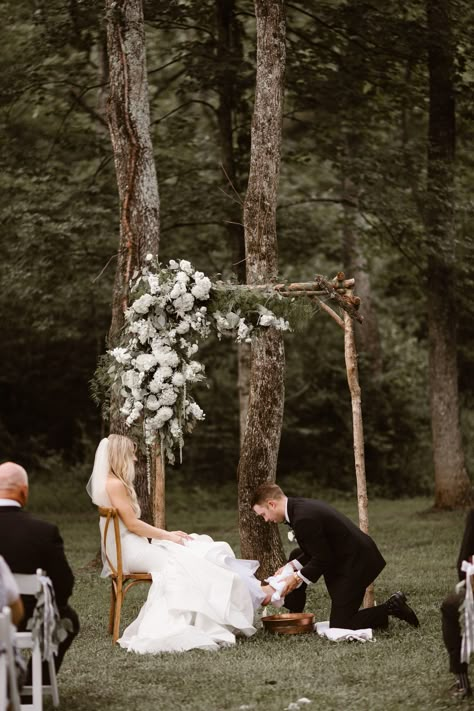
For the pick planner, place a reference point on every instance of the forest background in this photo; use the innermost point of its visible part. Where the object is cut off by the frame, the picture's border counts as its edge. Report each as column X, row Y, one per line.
column 352, row 196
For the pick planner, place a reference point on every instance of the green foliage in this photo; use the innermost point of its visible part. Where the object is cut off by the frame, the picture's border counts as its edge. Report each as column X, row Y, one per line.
column 356, row 107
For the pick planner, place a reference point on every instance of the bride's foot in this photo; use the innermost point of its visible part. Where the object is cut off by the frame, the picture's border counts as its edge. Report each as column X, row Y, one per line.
column 268, row 590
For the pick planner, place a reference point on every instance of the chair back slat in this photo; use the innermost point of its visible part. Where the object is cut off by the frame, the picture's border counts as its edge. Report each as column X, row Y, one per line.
column 120, row 582
column 7, row 663
column 112, row 517
column 28, row 584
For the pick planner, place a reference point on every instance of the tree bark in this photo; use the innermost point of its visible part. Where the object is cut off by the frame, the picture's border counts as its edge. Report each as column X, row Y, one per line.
column 259, row 453
column 129, row 126
column 452, row 486
column 367, row 333
column 229, row 55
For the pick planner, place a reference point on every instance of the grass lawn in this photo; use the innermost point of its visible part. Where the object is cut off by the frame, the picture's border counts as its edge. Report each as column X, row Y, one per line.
column 404, row 668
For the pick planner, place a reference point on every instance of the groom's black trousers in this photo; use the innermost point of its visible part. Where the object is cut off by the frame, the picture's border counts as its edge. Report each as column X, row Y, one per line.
column 452, row 634
column 346, row 600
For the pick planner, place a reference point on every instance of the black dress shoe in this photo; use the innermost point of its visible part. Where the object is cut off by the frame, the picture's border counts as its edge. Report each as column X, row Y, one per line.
column 397, row 607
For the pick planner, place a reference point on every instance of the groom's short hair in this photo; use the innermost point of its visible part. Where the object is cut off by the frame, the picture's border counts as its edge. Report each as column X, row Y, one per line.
column 265, row 492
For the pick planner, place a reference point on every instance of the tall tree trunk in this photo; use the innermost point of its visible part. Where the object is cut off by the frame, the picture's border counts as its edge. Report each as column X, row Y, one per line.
column 452, row 486
column 129, row 125
column 259, row 453
column 229, row 56
column 103, row 89
column 367, row 333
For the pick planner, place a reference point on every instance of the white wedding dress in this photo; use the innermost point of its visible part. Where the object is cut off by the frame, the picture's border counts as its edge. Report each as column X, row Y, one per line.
column 201, row 595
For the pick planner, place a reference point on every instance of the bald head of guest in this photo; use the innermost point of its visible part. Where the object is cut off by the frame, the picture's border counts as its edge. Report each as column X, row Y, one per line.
column 13, row 483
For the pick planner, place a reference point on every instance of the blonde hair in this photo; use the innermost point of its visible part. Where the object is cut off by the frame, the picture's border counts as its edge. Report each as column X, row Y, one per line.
column 121, row 451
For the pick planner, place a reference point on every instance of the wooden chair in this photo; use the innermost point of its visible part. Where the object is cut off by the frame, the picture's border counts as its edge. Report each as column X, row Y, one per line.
column 7, row 663
column 30, row 585
column 120, row 582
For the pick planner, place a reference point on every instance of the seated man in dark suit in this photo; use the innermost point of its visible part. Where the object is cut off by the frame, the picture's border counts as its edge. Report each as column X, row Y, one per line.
column 452, row 634
column 332, row 546
column 27, row 544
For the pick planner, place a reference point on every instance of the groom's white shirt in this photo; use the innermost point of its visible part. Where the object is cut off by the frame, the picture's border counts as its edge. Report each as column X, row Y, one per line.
column 10, row 502
column 295, row 563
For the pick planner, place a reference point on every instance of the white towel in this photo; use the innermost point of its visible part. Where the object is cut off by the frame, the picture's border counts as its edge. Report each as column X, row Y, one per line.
column 278, row 584
column 338, row 633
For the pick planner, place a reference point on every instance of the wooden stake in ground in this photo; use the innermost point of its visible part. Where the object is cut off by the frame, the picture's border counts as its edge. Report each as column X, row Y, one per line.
column 350, row 355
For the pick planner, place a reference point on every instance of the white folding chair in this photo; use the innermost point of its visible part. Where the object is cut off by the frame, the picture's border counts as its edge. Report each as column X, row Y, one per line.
column 31, row 585
column 7, row 663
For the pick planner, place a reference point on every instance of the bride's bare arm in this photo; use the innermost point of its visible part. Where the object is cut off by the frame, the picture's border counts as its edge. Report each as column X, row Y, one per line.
column 120, row 500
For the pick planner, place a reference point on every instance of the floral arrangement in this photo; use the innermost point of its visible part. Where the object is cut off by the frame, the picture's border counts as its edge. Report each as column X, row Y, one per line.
column 156, row 365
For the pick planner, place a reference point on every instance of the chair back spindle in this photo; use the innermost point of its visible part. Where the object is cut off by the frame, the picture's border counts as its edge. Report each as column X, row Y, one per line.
column 121, row 581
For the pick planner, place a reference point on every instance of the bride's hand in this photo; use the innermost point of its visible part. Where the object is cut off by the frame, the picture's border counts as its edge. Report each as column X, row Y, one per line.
column 184, row 535
column 174, row 537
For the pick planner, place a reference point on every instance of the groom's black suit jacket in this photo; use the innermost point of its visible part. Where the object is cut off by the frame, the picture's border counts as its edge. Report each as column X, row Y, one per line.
column 27, row 543
column 333, row 546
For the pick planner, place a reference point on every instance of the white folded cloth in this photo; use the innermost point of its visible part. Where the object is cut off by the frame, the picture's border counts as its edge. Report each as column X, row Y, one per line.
column 338, row 633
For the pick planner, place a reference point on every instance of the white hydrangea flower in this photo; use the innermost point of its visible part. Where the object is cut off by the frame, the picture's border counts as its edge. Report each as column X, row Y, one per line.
column 130, row 379
column 266, row 320
column 168, row 397
column 152, row 403
column 165, row 356
column 173, row 264
column 182, row 277
column 175, row 429
column 183, row 327
column 121, row 355
column 178, row 380
column 178, row 289
column 145, row 361
column 183, row 303
column 195, row 411
column 142, row 304
column 186, row 266
column 163, row 372
column 201, row 288
column 243, row 330
column 154, row 283
column 164, row 414
column 149, row 257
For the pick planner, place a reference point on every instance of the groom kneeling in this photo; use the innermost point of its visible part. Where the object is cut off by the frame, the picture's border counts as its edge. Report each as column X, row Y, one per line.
column 331, row 545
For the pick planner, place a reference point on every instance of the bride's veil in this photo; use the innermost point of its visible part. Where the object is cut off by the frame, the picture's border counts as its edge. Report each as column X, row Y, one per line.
column 97, row 491
column 96, row 484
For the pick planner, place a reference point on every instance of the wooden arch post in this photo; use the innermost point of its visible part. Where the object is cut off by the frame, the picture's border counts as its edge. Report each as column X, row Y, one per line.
column 340, row 291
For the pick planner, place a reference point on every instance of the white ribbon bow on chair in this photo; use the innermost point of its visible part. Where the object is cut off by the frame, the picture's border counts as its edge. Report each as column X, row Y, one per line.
column 45, row 624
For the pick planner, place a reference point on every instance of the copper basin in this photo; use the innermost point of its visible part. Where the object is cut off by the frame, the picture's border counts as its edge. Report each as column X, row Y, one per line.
column 289, row 623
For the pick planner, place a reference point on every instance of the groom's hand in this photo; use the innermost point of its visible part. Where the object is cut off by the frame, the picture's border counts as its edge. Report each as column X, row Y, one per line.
column 291, row 583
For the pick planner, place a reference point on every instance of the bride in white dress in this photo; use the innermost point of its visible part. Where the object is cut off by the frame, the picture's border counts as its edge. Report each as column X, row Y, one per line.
column 201, row 595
